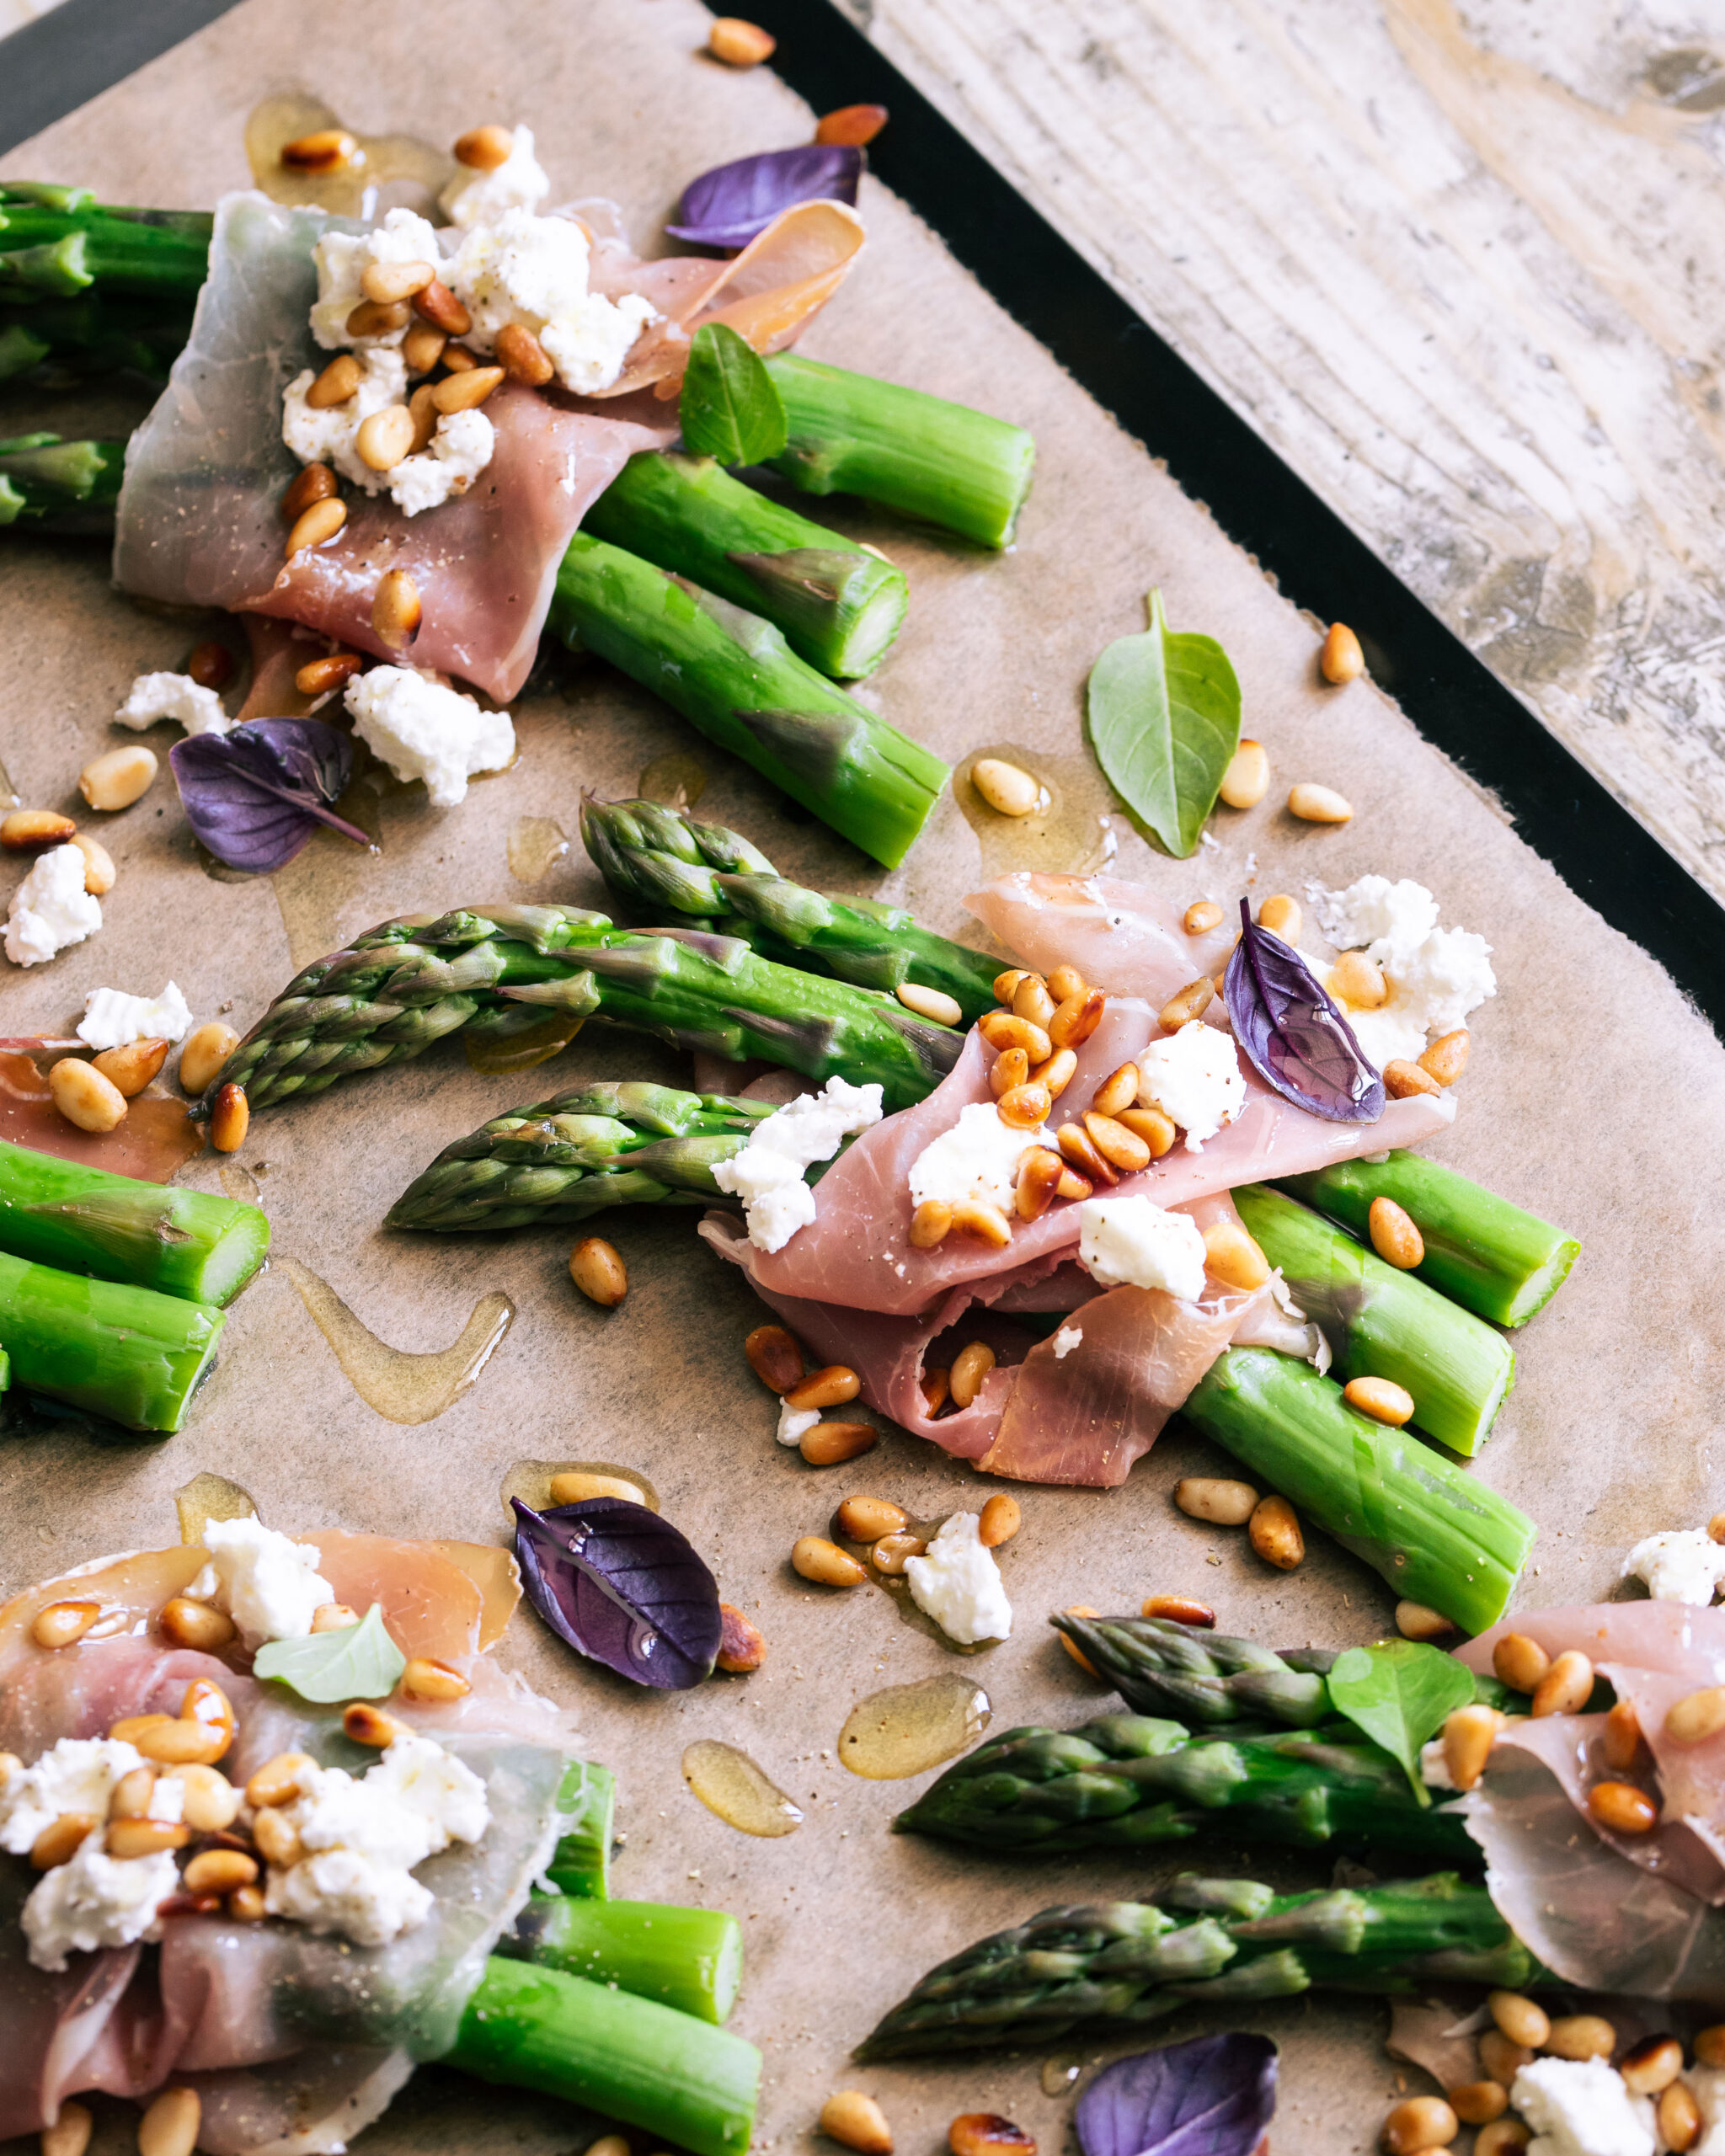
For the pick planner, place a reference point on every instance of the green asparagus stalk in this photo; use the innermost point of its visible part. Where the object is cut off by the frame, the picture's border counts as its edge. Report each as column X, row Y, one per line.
column 849, row 434
column 655, row 858
column 1480, row 1250
column 63, row 341
column 691, row 1959
column 408, row 982
column 733, row 677
column 1129, row 1782
column 1436, row 1535
column 580, row 1864
column 187, row 1243
column 1383, row 1323
column 53, row 485
column 839, row 605
column 120, row 1351
column 1208, row 1679
column 679, row 2078
column 1115, row 1966
column 55, row 242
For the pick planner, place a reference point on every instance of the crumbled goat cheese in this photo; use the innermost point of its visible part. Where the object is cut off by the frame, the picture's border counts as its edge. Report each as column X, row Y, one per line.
column 958, row 1584
column 1681, row 1565
column 767, row 1174
column 1436, row 976
column 50, row 909
column 1065, row 1339
column 112, row 1018
column 154, row 697
column 328, row 434
column 977, row 1158
column 79, row 1774
column 94, row 1901
column 794, row 1423
column 1194, row 1077
column 1389, row 921
column 266, row 1582
column 447, row 466
column 422, row 730
column 1434, row 1768
column 1707, row 2086
column 364, row 1835
column 1581, row 2107
column 343, row 258
column 1128, row 1242
column 519, row 182
column 533, row 270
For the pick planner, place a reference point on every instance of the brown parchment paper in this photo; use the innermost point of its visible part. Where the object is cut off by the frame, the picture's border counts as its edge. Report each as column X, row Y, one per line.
column 1594, row 1097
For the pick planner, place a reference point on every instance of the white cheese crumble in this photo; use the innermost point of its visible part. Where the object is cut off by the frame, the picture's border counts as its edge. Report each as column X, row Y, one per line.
column 976, row 1159
column 767, row 1174
column 423, row 729
column 795, row 1422
column 533, row 270
column 1707, row 2084
column 50, row 909
column 112, row 1018
column 94, row 1901
column 1680, row 1565
column 343, row 258
column 1434, row 1768
column 1581, row 2107
column 1194, row 1076
column 958, row 1584
column 155, row 697
column 266, row 1582
column 1436, row 976
column 448, row 464
column 363, row 1836
column 79, row 1774
column 1130, row 1242
column 326, row 434
column 519, row 182
column 1065, row 1339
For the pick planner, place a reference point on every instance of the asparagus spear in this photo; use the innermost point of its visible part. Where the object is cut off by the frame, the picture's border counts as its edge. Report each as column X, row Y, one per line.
column 1129, row 1782
column 1480, row 1250
column 113, row 1350
column 682, row 2080
column 1209, row 1679
column 1118, row 1965
column 655, row 857
column 733, row 675
column 53, row 485
column 407, row 983
column 691, row 1959
column 1383, row 1323
column 1436, row 1535
column 54, row 242
column 839, row 605
column 850, row 434
column 181, row 1242
column 65, row 340
column 580, row 1864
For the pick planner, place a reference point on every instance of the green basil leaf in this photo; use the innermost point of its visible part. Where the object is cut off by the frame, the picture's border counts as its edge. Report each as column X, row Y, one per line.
column 1400, row 1694
column 1164, row 714
column 731, row 407
column 360, row 1662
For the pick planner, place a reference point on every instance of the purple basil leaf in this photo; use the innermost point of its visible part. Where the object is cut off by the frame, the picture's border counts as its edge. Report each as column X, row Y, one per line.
column 1214, row 2096
column 1292, row 1035
column 623, row 1588
column 728, row 206
column 254, row 795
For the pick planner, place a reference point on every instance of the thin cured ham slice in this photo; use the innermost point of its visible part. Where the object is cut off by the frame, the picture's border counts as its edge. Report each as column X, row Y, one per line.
column 1126, row 938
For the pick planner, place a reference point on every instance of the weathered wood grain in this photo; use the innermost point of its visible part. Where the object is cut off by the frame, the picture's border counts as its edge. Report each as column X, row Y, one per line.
column 1462, row 266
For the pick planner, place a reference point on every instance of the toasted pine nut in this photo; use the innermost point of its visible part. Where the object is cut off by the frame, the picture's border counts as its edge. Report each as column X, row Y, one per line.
column 185, row 1624
column 1319, row 804
column 986, row 2133
column 1697, row 1715
column 1582, row 2036
column 849, row 2117
column 1039, row 1174
column 211, row 664
column 1355, row 981
column 1403, row 1080
column 436, row 304
column 1065, row 982
column 893, row 1552
column 171, row 2125
column 931, row 1224
column 370, row 319
column 1281, row 915
column 127, row 1729
column 1274, row 1533
column 1477, row 2103
column 830, row 1386
column 1500, row 2058
column 458, row 359
column 851, row 126
column 209, row 1706
column 1025, row 1107
column 114, row 781
column 1031, row 999
column 1057, row 1073
column 1446, row 1059
column 1214, row 1498
column 61, row 1623
column 1078, row 1655
column 1565, row 1688
column 1621, row 1808
column 230, row 1118
column 181, row 1744
column 277, row 1838
column 775, row 1357
column 336, row 1616
column 1341, row 658
column 327, row 150
column 219, row 1871
column 1077, row 1146
column 828, row 1444
column 316, row 526
column 1382, row 1398
column 865, row 1519
column 1247, row 779
column 597, row 1271
column 463, row 392
column 385, row 437
column 395, row 612
column 34, row 831
column 1073, row 1185
column 1006, row 984
column 424, row 415
column 425, row 1678
column 1152, row 1126
column 741, row 1648
column 483, row 149
column 316, row 483
column 1469, row 1735
column 1193, row 1001
column 277, row 1781
column 368, row 1725
column 1076, row 1019
column 1011, row 1070
column 340, row 380
column 422, row 348
column 132, row 1794
column 1708, row 2045
column 524, row 358
column 1001, row 1519
column 318, row 676
column 975, row 1216
column 145, row 1837
column 1715, row 1528
column 1421, row 2122
column 1121, row 1148
column 825, row 1563
column 936, row 1390
column 129, row 1069
column 1006, row 789
column 574, row 1488
column 1415, row 1621
column 70, row 2133
column 1504, row 2136
column 1118, row 1091
column 1622, row 1739
column 246, row 1905
column 930, row 1003
column 85, row 1095
column 1520, row 1663
column 211, row 1802
column 1393, row 1236
column 1234, row 1257
column 1001, row 1029
column 1201, row 916
column 970, row 1366
column 1678, row 2117
column 98, row 864
column 388, row 282
column 58, row 1842
column 1180, row 1609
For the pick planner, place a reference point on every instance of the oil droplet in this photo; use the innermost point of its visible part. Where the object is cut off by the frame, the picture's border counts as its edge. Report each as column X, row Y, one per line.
column 678, row 780
column 907, row 1728
column 210, row 1496
column 530, row 1479
column 384, row 170
column 538, row 1037
column 536, row 845
column 734, row 1788
column 1071, row 834
column 1060, row 2073
column 403, row 1387
column 240, row 1184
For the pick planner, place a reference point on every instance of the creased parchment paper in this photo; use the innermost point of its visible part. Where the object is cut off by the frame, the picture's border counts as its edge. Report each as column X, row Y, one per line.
column 1594, row 1096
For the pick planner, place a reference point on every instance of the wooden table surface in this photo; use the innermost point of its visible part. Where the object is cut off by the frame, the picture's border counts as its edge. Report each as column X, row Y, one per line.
column 1463, row 268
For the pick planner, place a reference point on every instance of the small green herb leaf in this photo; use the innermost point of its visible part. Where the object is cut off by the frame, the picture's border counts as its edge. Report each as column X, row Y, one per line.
column 1164, row 713
column 360, row 1662
column 1400, row 1694
column 731, row 407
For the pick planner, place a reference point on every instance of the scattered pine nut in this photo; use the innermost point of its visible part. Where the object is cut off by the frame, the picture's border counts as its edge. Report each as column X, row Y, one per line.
column 84, row 1096
column 1025, row 1107
column 318, row 677
column 316, row 526
column 1193, row 1001
column 128, row 1837
column 1274, row 1533
column 1039, row 1174
column 422, row 410
column 333, row 1617
column 1403, row 1080
column 1282, row 916
column 1065, row 982
column 1011, row 1070
column 1118, row 1091
column 743, row 45
column 395, row 612
column 1006, row 984
column 211, row 664
column 597, row 1271
column 1708, row 2045
column 1078, row 1655
column 63, row 1624
column 935, row 1390
column 98, row 864
column 171, row 2124
column 129, row 1069
column 219, row 1871
column 34, row 831
column 1415, row 1621
column 775, row 1357
column 1382, row 1398
column 865, row 1519
column 1235, row 1257
column 1001, row 1029
column 339, row 381
column 1469, row 1735
column 986, row 2133
column 1152, row 1126
column 893, row 1552
column 1622, row 1742
column 1582, row 2036
column 370, row 319
column 277, row 1838
column 436, row 304
column 1500, row 2058
column 825, row 1563
column 1180, row 1609
column 1213, row 1497
column 1421, row 2122
column 1519, row 1662
column 1477, row 2103
column 1075, row 1143
column 1001, row 1519
column 388, row 283
column 1006, row 789
column 1393, row 1236
column 368, row 1725
column 975, row 1216
column 828, row 1444
column 1522, row 2019
column 1031, row 999
column 206, row 1049
column 741, row 1648
column 327, row 150
column 1247, row 780
column 1356, row 981
column 970, row 1366
column 422, row 348
column 1319, row 804
column 1715, row 1528
column 197, row 1625
column 425, row 1678
column 70, row 2133
column 828, row 1387
column 931, row 1224
column 113, row 781
column 59, row 1840
column 1446, row 1059
column 132, row 1794
column 1621, row 1808
column 1120, row 1147
column 849, row 2117
column 1678, row 2117
column 483, row 149
column 1076, row 1019
column 1073, row 1186
column 851, row 126
column 230, row 1118
column 465, row 393
column 1201, row 917
column 384, row 438
column 1340, row 659
column 1567, row 1686
column 522, row 357
column 1697, row 1715
column 277, row 1781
